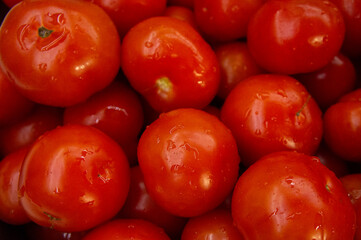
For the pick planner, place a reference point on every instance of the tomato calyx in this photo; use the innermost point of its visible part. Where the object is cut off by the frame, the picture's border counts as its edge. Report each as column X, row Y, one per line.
column 298, row 113
column 43, row 32
column 164, row 87
column 51, row 217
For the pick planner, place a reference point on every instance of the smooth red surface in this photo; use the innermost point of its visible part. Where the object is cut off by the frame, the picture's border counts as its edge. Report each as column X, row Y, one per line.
column 178, row 67
column 288, row 195
column 268, row 113
column 80, row 56
column 74, row 178
column 192, row 164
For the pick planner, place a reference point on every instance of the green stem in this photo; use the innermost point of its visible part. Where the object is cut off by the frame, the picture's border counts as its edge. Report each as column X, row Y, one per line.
column 44, row 32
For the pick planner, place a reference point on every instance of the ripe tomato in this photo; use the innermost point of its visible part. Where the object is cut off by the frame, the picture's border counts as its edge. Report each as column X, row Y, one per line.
column 331, row 82
column 236, row 64
column 289, row 195
column 268, row 113
column 215, row 224
column 73, row 178
column 178, row 67
column 10, row 209
column 67, row 50
column 127, row 229
column 182, row 13
column 127, row 13
column 342, row 126
column 116, row 110
column 140, row 205
column 193, row 163
column 295, row 36
column 220, row 20
column 26, row 130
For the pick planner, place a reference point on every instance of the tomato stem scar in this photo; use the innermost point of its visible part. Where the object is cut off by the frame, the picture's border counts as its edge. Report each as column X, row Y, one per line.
column 164, row 86
column 44, row 32
column 303, row 106
column 327, row 188
column 51, row 217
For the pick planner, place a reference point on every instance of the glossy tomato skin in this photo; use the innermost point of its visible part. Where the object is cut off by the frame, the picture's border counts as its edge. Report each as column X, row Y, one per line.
column 26, row 130
column 170, row 64
column 331, row 82
column 221, row 21
column 127, row 229
column 216, row 224
column 193, row 163
column 236, row 63
column 11, row 210
column 289, row 195
column 342, row 127
column 19, row 107
column 351, row 10
column 115, row 110
column 127, row 13
column 270, row 112
column 296, row 36
column 68, row 50
column 69, row 176
column 182, row 13
column 140, row 205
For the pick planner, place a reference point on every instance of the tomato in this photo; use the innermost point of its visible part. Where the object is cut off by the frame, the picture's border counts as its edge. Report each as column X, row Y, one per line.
column 67, row 50
column 351, row 10
column 140, row 205
column 25, row 131
column 182, row 13
column 127, row 13
column 220, row 20
column 116, row 110
column 342, row 127
column 19, row 107
column 10, row 209
column 295, row 36
column 193, row 163
column 270, row 112
column 331, row 82
column 127, row 229
column 170, row 64
column 352, row 184
column 289, row 195
column 216, row 224
column 68, row 179
column 236, row 64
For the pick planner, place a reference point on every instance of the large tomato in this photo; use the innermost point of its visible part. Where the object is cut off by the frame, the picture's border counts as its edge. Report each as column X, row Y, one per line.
column 170, row 64
column 268, row 113
column 59, row 52
column 192, row 164
column 289, row 195
column 73, row 178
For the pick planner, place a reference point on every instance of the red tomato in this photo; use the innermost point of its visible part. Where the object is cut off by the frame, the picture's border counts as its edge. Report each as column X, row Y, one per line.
column 331, row 82
column 221, row 20
column 170, row 64
column 342, row 127
column 352, row 184
column 67, row 50
column 216, row 224
column 193, row 162
column 236, row 63
column 140, row 205
column 127, row 13
column 127, row 229
column 182, row 13
column 10, row 209
column 351, row 11
column 289, row 195
column 295, row 36
column 116, row 110
column 19, row 107
column 26, row 130
column 268, row 113
column 68, row 179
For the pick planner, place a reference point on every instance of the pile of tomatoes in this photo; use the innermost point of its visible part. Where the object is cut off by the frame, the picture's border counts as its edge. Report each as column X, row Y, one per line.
column 180, row 119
